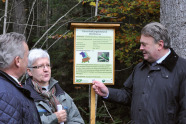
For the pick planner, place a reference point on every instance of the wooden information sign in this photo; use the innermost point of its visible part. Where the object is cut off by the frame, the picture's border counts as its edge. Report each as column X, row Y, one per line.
column 94, row 55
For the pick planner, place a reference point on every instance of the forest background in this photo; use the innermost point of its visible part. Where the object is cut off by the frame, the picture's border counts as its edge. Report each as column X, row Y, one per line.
column 45, row 23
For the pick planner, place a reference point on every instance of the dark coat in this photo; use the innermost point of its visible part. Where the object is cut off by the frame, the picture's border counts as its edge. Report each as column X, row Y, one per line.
column 16, row 105
column 157, row 94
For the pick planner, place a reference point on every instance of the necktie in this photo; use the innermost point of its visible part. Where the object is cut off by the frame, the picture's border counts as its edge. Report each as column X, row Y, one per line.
column 20, row 84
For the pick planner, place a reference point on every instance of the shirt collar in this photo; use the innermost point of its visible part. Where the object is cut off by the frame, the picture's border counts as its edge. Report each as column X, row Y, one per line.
column 163, row 58
column 14, row 78
column 169, row 62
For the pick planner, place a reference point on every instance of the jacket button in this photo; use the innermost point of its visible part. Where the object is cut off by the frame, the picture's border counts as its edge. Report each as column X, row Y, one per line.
column 139, row 109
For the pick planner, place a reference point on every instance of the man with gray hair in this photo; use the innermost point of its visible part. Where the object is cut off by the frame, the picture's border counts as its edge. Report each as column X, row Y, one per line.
column 156, row 89
column 16, row 105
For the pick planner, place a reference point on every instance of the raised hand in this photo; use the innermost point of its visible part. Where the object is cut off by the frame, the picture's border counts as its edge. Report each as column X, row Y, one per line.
column 100, row 88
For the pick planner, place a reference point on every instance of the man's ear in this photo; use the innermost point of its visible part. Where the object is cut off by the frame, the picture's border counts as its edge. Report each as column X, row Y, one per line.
column 29, row 72
column 161, row 44
column 17, row 61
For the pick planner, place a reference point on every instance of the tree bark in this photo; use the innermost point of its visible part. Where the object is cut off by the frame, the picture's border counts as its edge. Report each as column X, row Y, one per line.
column 19, row 16
column 173, row 16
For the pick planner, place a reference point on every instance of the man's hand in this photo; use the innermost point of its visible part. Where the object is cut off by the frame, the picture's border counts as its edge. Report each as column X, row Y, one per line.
column 61, row 116
column 100, row 88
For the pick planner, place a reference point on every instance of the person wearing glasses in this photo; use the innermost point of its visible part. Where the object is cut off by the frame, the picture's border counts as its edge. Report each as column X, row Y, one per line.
column 47, row 93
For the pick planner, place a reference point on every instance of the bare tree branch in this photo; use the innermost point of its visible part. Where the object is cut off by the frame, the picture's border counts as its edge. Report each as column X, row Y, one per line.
column 29, row 15
column 55, row 24
column 58, row 39
column 31, row 27
column 59, row 28
column 108, row 111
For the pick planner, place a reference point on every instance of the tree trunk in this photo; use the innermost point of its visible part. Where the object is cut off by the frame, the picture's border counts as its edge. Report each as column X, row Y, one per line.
column 5, row 17
column 19, row 16
column 173, row 16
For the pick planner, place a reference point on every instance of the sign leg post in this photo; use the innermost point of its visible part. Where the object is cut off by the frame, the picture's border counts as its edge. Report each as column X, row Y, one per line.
column 93, row 109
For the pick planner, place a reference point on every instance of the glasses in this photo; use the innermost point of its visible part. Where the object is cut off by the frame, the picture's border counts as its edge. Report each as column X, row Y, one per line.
column 41, row 66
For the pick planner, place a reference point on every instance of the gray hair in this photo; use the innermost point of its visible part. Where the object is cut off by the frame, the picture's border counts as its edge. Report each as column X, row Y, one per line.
column 158, row 32
column 11, row 45
column 35, row 54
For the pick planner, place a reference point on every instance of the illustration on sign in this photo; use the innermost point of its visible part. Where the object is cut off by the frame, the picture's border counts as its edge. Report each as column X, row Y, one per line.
column 85, row 56
column 103, row 56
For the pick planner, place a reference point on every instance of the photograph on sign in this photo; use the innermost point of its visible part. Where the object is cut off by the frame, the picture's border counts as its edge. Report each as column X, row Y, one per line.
column 93, row 55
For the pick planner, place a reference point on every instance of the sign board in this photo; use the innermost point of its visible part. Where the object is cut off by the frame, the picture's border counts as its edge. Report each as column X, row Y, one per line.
column 94, row 52
column 94, row 55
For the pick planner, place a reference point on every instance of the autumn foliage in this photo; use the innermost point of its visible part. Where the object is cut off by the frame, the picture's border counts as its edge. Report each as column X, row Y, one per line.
column 133, row 14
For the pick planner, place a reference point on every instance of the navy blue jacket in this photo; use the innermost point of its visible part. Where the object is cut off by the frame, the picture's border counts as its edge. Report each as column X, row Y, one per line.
column 16, row 105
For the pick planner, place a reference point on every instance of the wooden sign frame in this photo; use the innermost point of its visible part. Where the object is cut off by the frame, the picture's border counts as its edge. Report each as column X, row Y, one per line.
column 89, row 30
column 94, row 52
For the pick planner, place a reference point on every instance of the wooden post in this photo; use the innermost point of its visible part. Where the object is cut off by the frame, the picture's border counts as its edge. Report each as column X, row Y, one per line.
column 92, row 107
